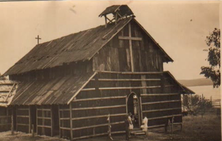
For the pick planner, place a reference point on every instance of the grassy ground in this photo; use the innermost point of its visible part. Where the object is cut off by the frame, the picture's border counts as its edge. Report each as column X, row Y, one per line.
column 195, row 128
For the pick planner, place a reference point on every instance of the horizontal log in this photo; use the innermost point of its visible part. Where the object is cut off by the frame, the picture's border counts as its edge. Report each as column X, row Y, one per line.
column 49, row 110
column 65, row 128
column 117, row 72
column 88, row 89
column 100, row 107
column 98, row 125
column 49, row 118
column 43, row 126
column 62, row 110
column 65, row 118
column 22, row 116
column 110, row 80
column 126, row 88
column 159, row 110
column 177, row 123
column 23, row 109
column 130, row 38
column 22, row 124
column 163, row 94
column 99, row 98
column 156, row 126
column 168, row 116
column 159, row 102
column 99, row 116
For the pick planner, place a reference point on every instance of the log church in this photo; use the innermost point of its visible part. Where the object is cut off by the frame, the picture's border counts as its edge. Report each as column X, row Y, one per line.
column 67, row 87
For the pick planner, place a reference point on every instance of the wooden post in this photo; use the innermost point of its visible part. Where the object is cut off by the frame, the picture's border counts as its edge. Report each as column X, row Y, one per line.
column 105, row 21
column 36, row 120
column 12, row 124
column 51, row 122
column 131, row 48
column 70, row 110
column 60, row 135
column 43, row 120
column 30, row 124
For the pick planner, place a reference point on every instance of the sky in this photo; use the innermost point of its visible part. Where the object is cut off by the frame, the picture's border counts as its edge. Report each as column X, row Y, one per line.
column 180, row 27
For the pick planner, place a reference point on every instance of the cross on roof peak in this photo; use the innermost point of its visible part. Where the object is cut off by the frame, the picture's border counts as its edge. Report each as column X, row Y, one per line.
column 38, row 38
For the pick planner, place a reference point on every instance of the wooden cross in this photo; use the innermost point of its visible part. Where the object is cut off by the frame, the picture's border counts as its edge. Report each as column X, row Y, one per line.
column 130, row 38
column 38, row 38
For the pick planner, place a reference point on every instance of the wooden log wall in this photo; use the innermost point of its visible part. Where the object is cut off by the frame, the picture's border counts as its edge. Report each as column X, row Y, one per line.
column 23, row 119
column 130, row 50
column 44, row 122
column 5, row 119
column 107, row 94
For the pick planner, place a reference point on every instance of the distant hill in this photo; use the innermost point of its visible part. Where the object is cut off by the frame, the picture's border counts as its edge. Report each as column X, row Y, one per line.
column 196, row 82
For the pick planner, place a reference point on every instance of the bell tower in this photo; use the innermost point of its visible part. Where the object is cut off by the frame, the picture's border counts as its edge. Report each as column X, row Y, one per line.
column 118, row 11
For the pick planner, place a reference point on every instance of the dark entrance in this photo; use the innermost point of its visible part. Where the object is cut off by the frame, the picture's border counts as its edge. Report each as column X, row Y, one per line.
column 133, row 108
column 33, row 117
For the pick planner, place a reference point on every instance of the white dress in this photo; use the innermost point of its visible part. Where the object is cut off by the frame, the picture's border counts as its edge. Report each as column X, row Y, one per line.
column 145, row 124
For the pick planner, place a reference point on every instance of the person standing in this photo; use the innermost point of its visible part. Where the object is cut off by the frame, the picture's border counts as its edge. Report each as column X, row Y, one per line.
column 109, row 127
column 128, row 126
column 145, row 126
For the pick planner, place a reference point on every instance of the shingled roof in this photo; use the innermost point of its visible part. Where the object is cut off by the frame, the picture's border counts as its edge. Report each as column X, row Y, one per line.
column 75, row 47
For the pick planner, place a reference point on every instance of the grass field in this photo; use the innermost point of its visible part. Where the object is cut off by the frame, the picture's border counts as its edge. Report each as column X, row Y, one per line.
column 195, row 128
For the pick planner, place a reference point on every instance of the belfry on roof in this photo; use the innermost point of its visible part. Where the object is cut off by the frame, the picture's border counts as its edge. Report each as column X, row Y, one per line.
column 70, row 85
column 118, row 11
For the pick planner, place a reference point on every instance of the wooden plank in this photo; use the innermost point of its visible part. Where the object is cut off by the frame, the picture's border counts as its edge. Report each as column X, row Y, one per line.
column 156, row 126
column 99, row 98
column 18, row 124
column 131, row 49
column 154, row 118
column 128, row 88
column 130, row 38
column 62, row 110
column 48, row 118
column 136, row 73
column 65, row 128
column 22, row 116
column 71, row 129
column 51, row 123
column 159, row 102
column 81, row 88
column 65, row 118
column 30, row 123
column 100, row 107
column 49, row 110
column 99, row 116
column 159, row 110
column 163, row 94
column 98, row 125
column 4, row 116
column 88, row 89
column 127, row 80
column 44, row 126
column 60, row 135
column 37, row 120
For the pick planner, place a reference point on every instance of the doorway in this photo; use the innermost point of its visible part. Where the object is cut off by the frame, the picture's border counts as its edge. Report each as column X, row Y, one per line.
column 133, row 108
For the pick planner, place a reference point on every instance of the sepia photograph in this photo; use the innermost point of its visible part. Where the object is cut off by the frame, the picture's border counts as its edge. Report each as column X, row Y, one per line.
column 110, row 70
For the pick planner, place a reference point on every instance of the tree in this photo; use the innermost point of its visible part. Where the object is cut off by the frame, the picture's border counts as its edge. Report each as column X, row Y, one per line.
column 213, row 71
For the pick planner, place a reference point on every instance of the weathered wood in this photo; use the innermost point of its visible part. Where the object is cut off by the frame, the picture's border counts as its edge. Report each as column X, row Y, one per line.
column 52, row 125
column 131, row 48
column 164, row 94
column 100, row 107
column 168, row 116
column 60, row 135
column 98, row 125
column 71, row 129
column 37, row 120
column 22, row 124
column 156, row 126
column 22, row 116
column 100, row 116
column 127, row 80
column 44, row 118
column 99, row 98
column 159, row 110
column 30, row 125
column 12, row 124
column 130, row 38
column 159, row 102
column 44, row 126
column 128, row 88
column 44, row 109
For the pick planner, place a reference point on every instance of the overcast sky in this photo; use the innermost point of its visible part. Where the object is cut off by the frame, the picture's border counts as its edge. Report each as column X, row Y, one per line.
column 179, row 27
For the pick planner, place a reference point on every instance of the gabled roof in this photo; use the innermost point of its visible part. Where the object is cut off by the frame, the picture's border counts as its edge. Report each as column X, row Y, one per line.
column 55, row 91
column 75, row 47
